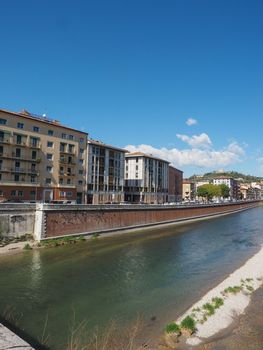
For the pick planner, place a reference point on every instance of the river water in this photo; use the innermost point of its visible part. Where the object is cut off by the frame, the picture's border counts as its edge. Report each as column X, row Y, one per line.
column 156, row 273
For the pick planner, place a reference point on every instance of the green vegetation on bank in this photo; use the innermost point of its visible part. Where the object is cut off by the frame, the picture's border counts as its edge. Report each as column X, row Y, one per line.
column 56, row 242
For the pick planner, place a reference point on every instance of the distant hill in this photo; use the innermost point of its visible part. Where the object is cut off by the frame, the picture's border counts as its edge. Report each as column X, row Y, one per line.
column 234, row 174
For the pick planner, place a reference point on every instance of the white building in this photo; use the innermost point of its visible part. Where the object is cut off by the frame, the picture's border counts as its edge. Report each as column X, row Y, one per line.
column 231, row 183
column 146, row 178
column 105, row 173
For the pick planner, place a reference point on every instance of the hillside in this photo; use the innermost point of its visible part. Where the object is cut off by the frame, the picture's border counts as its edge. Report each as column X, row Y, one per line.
column 234, row 174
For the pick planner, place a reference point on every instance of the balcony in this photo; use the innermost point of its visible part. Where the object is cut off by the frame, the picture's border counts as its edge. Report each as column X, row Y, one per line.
column 66, row 161
column 35, row 145
column 64, row 151
column 18, row 170
column 20, row 183
column 5, row 140
column 61, row 173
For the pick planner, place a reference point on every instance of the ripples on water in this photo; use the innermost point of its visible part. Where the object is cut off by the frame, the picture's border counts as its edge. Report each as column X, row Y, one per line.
column 159, row 272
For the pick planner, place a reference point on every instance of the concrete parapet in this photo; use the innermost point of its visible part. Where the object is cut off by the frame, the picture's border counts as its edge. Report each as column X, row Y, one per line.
column 9, row 340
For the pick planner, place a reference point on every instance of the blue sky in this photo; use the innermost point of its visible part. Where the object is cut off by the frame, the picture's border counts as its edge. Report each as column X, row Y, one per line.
column 131, row 73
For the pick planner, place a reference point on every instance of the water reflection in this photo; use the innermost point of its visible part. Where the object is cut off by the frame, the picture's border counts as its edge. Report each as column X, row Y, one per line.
column 36, row 270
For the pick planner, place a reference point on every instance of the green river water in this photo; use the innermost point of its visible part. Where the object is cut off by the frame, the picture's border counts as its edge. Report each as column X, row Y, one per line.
column 156, row 273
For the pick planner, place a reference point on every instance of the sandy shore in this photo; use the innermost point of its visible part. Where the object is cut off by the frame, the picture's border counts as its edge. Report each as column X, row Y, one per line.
column 249, row 278
column 14, row 248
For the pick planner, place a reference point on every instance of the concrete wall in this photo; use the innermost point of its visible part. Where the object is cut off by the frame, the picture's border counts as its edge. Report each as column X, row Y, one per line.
column 60, row 221
column 16, row 220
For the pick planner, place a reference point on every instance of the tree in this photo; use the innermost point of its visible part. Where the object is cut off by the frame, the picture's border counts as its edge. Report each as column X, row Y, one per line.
column 208, row 191
column 224, row 190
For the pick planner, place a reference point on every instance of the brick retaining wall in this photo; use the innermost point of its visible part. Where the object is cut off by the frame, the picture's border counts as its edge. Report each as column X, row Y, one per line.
column 82, row 219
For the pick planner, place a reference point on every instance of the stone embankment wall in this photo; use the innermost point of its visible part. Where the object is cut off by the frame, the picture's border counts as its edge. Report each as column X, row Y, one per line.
column 17, row 220
column 55, row 221
column 49, row 221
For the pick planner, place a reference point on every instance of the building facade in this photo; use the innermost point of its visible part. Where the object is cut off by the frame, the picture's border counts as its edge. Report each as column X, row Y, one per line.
column 40, row 159
column 188, row 190
column 146, row 179
column 233, row 185
column 105, row 173
column 175, row 185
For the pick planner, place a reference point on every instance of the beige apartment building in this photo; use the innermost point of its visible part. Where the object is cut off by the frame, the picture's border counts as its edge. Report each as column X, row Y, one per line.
column 40, row 159
column 105, row 173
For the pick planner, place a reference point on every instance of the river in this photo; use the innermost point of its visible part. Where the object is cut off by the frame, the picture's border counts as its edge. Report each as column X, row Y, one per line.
column 157, row 273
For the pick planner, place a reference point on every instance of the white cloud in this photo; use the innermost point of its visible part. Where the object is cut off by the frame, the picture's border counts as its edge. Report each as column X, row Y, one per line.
column 196, row 141
column 191, row 121
column 208, row 158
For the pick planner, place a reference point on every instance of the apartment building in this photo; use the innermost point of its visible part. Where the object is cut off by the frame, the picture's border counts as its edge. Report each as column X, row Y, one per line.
column 40, row 159
column 175, row 185
column 146, row 178
column 231, row 183
column 105, row 173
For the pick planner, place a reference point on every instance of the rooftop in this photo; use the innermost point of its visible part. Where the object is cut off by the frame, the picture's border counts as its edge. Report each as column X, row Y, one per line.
column 102, row 144
column 141, row 154
column 43, row 119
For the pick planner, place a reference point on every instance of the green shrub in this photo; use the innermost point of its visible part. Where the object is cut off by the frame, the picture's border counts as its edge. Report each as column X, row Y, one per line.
column 217, row 302
column 234, row 290
column 209, row 309
column 27, row 246
column 188, row 323
column 172, row 328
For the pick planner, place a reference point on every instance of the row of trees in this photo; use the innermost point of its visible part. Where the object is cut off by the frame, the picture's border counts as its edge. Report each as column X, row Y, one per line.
column 210, row 191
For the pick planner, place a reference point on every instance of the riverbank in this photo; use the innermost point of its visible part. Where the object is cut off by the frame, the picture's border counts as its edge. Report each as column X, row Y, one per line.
column 216, row 312
column 19, row 247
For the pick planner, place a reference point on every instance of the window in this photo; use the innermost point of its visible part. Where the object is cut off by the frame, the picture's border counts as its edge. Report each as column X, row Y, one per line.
column 80, row 182
column 18, row 152
column 62, row 194
column 2, row 121
column 61, row 181
column 36, row 128
column 137, row 159
column 49, row 169
column 1, row 193
column 18, row 139
column 16, row 178
column 33, row 179
column 20, row 125
column 81, row 139
column 13, row 193
column 81, row 150
column 50, row 144
column 62, row 147
column 50, row 132
column 34, row 154
column 49, row 156
column 32, row 194
column 81, row 161
column 70, row 137
column 20, row 193
column 34, row 142
column 136, row 167
column 80, row 172
column 1, row 150
column 71, row 148
column 48, row 180
column 0, row 177
column 69, row 194
column 64, row 136
column 68, row 181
